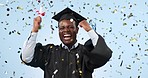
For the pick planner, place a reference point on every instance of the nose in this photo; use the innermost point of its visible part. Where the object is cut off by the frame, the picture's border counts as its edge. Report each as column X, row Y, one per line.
column 66, row 29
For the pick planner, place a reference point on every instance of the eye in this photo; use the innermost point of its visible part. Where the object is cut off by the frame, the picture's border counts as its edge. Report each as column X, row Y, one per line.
column 61, row 27
column 71, row 27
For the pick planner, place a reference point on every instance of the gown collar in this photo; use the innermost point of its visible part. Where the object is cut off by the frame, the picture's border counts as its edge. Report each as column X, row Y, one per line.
column 65, row 47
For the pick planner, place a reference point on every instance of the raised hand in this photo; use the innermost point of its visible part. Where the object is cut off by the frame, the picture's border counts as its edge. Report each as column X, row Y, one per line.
column 36, row 24
column 84, row 24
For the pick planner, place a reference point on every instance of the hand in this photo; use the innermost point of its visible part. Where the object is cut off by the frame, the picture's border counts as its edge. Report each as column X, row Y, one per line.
column 36, row 24
column 85, row 25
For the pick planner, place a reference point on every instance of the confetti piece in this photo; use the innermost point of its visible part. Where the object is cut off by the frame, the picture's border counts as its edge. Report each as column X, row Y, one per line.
column 121, row 63
column 146, row 50
column 114, row 11
column 93, row 24
column 62, row 59
column 77, row 55
column 55, row 71
column 129, row 67
column 98, row 5
column 9, row 48
column 38, row 1
column 131, row 15
column 80, row 72
column 19, row 8
column 78, row 61
column 133, row 40
column 124, row 24
column 18, row 33
column 71, row 20
column 71, row 5
column 7, row 14
column 13, row 73
column 73, row 72
column 5, row 72
column 6, row 62
column 8, row 9
column 31, row 10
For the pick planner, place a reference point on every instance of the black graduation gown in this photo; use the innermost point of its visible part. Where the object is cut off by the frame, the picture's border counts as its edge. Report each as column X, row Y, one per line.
column 57, row 62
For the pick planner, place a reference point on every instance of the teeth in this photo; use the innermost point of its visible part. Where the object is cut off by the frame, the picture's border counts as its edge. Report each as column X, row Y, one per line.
column 67, row 35
column 66, row 38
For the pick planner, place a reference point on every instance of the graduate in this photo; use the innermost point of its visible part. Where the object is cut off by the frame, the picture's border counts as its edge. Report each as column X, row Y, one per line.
column 69, row 59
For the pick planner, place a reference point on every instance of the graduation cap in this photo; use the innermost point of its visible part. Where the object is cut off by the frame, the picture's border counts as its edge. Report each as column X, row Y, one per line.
column 68, row 14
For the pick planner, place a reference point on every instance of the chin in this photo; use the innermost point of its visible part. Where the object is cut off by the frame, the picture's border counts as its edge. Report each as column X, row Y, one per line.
column 68, row 43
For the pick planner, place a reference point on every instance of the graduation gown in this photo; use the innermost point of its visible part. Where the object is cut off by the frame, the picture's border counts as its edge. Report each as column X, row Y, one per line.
column 79, row 62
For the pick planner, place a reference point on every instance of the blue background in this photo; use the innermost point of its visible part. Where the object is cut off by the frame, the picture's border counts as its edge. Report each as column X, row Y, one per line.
column 122, row 23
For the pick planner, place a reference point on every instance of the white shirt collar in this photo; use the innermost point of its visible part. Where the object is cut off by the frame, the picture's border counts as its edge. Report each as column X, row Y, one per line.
column 74, row 46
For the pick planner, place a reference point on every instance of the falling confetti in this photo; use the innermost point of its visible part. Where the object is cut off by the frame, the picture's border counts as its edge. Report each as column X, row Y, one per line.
column 122, row 23
column 6, row 62
column 133, row 40
column 98, row 5
column 131, row 15
column 38, row 1
column 19, row 8
column 93, row 24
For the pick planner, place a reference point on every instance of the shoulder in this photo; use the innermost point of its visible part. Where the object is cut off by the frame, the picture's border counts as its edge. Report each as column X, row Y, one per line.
column 47, row 46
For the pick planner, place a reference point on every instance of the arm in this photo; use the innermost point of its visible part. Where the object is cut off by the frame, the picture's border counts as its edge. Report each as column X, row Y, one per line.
column 94, row 37
column 98, row 55
column 30, row 43
column 97, row 52
column 28, row 48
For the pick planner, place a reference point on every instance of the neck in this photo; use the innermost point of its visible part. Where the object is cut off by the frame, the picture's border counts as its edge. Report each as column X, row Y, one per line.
column 69, row 46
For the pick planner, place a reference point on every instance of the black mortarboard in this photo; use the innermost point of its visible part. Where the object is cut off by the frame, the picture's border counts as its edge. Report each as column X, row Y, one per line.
column 68, row 14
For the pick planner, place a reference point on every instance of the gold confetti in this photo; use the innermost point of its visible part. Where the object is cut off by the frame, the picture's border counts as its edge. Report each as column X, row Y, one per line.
column 62, row 59
column 133, row 39
column 51, row 46
column 98, row 5
column 19, row 8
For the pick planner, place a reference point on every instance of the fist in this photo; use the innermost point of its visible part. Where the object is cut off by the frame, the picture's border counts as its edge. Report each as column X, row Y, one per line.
column 36, row 24
column 84, row 24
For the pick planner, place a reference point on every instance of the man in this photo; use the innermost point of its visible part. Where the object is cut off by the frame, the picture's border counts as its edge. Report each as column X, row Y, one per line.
column 69, row 59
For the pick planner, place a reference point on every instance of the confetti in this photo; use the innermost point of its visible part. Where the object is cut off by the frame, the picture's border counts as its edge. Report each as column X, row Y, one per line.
column 124, row 24
column 121, row 63
column 98, row 5
column 5, row 72
column 31, row 10
column 133, row 40
column 18, row 33
column 6, row 62
column 109, row 19
column 55, row 71
column 13, row 73
column 8, row 9
column 19, row 8
column 93, row 24
column 131, row 15
column 77, row 55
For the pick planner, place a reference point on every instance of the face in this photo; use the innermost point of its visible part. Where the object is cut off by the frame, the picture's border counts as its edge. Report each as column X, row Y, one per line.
column 68, row 32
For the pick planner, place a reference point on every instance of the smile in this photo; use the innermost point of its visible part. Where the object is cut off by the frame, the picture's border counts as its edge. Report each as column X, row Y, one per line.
column 67, row 37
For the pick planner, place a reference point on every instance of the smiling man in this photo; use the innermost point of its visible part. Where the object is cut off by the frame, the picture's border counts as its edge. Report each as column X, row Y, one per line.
column 70, row 59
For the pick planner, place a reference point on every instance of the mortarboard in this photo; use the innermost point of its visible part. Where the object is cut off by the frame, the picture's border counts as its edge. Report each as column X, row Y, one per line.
column 68, row 14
